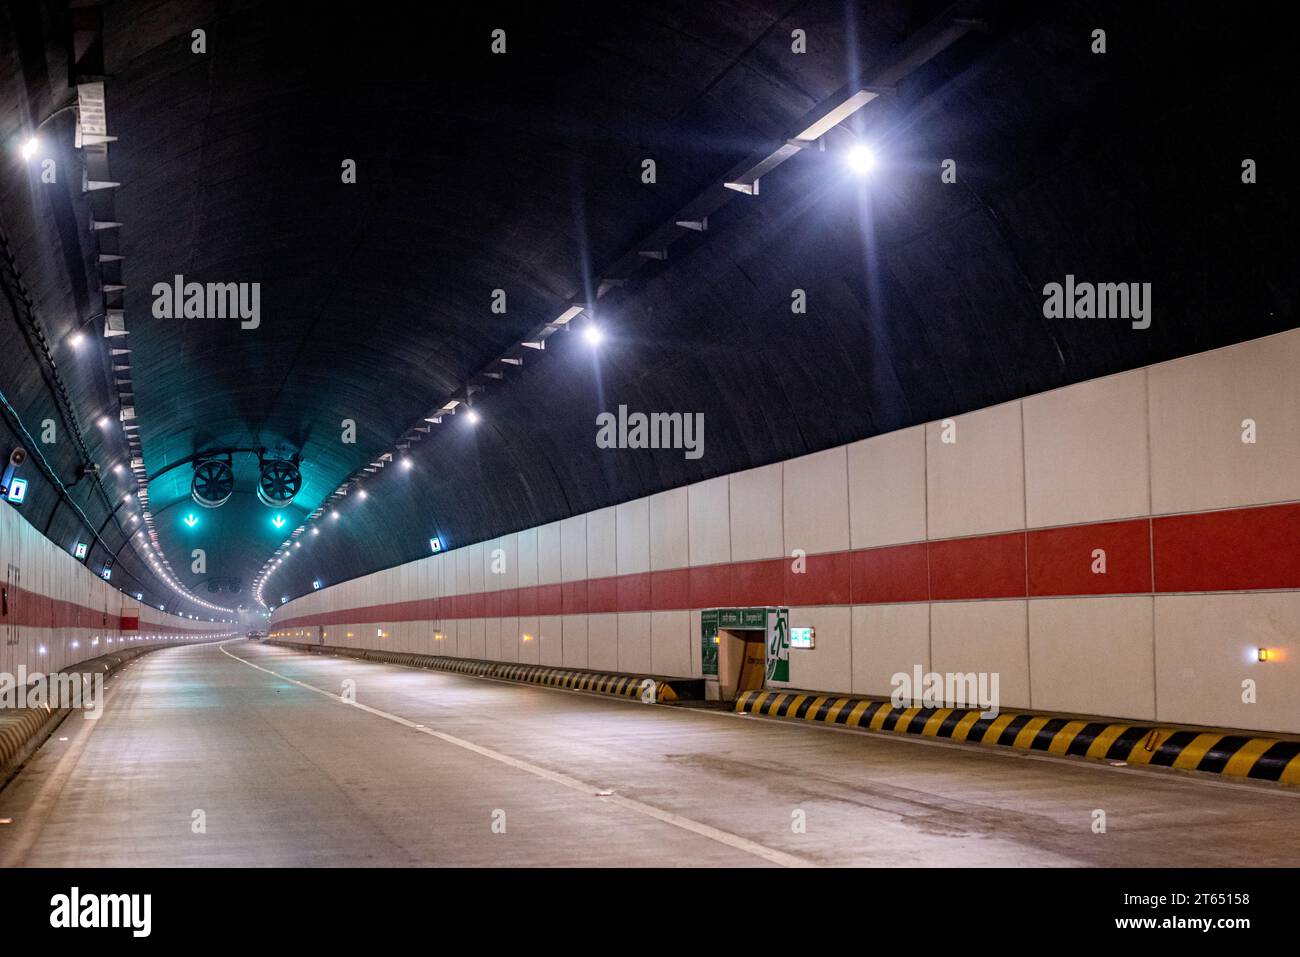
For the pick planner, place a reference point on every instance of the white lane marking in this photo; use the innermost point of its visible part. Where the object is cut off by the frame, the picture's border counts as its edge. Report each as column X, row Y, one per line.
column 668, row 817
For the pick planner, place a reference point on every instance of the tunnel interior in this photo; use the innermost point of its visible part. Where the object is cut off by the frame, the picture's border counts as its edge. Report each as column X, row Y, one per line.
column 916, row 380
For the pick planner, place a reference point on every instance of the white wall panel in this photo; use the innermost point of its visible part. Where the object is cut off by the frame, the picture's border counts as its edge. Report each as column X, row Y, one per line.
column 975, row 484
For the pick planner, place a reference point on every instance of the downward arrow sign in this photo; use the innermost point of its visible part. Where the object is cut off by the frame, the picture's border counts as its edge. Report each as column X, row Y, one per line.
column 278, row 521
column 191, row 520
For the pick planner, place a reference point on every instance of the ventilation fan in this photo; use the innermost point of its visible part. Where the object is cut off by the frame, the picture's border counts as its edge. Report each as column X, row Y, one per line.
column 279, row 482
column 213, row 483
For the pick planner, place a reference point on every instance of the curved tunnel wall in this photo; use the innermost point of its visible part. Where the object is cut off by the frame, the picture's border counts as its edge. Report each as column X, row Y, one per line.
column 977, row 554
column 55, row 612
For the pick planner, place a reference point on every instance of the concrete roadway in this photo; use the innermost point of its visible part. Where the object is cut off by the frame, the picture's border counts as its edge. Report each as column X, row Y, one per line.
column 438, row 769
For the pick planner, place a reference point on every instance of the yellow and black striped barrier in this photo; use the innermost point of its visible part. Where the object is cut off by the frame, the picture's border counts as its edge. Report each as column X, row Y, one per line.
column 1218, row 752
column 667, row 690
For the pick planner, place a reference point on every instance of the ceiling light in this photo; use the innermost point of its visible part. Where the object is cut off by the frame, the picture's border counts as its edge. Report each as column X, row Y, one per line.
column 474, row 417
column 76, row 339
column 593, row 334
column 861, row 159
column 361, row 494
column 29, row 148
column 103, row 421
column 406, row 463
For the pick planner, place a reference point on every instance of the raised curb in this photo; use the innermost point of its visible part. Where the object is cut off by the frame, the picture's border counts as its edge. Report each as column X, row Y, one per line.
column 23, row 730
column 619, row 685
column 1229, row 753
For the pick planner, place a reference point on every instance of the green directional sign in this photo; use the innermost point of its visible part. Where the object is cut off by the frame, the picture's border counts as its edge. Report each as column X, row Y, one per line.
column 778, row 644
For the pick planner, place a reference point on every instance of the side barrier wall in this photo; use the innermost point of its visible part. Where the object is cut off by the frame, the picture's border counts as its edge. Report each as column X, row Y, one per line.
column 1123, row 546
column 55, row 612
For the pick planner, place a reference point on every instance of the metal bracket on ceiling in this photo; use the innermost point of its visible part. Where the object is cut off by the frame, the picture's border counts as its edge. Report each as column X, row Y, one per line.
column 696, row 225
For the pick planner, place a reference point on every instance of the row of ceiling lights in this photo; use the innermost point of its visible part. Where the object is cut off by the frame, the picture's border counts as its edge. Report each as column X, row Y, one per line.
column 859, row 158
column 153, row 550
column 594, row 336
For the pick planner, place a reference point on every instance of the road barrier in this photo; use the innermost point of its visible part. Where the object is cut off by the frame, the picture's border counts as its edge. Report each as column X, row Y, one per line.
column 1187, row 749
column 666, row 690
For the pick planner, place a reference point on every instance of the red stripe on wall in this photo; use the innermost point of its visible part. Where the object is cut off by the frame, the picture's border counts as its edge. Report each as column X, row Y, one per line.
column 670, row 589
column 824, row 580
column 575, row 598
column 991, row 566
column 602, row 595
column 634, row 592
column 1254, row 548
column 710, row 586
column 550, row 599
column 896, row 573
column 757, row 583
column 1228, row 551
column 28, row 609
column 1061, row 560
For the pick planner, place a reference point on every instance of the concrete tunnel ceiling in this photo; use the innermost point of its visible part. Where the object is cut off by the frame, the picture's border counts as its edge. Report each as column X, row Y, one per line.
column 523, row 172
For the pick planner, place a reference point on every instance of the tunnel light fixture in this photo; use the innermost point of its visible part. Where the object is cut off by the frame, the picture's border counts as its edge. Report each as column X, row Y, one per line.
column 17, row 491
column 435, row 544
column 315, row 584
column 362, row 494
column 334, row 514
column 473, row 417
column 103, row 422
column 1266, row 654
column 861, row 159
column 76, row 339
column 315, row 531
column 407, row 463
column 29, row 148
column 593, row 334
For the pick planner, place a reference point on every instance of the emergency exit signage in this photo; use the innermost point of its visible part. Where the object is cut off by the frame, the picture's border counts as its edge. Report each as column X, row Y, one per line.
column 802, row 637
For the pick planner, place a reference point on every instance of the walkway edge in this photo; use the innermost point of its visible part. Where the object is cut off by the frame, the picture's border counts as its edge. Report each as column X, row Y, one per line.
column 1227, row 753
